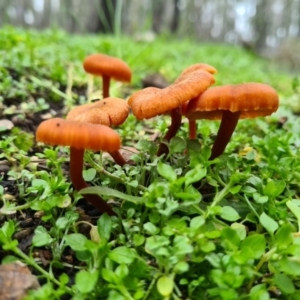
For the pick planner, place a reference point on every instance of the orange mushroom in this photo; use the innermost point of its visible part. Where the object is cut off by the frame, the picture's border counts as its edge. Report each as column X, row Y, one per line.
column 80, row 136
column 230, row 103
column 150, row 102
column 108, row 67
column 195, row 67
column 109, row 111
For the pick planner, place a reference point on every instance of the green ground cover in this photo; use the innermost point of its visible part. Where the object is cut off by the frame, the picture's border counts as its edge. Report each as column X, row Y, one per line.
column 187, row 227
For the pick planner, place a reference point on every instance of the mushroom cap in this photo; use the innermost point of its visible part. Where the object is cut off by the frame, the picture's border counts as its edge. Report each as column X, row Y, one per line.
column 87, row 113
column 78, row 135
column 108, row 111
column 251, row 99
column 150, row 102
column 101, row 64
column 197, row 67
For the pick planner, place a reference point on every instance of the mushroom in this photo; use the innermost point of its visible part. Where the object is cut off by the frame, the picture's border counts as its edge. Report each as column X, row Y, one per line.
column 108, row 67
column 195, row 67
column 80, row 136
column 150, row 102
column 229, row 103
column 109, row 111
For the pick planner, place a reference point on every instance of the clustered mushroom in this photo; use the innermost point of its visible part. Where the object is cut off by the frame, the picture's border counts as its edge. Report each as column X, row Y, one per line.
column 150, row 102
column 230, row 103
column 191, row 95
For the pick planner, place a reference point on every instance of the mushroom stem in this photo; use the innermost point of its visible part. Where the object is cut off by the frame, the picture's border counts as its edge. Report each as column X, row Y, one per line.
column 226, row 129
column 76, row 168
column 176, row 116
column 105, row 86
column 192, row 129
column 118, row 158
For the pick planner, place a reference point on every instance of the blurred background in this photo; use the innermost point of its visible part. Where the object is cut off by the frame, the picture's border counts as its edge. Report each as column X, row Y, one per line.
column 270, row 28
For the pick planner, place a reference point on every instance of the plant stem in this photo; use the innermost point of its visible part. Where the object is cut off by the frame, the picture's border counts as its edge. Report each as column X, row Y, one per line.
column 11, row 210
column 100, row 169
column 32, row 263
column 51, row 87
column 263, row 259
column 220, row 195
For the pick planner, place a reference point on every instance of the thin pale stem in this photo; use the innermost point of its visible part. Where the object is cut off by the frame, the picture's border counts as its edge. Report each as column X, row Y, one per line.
column 226, row 129
column 76, row 168
column 105, row 85
column 176, row 116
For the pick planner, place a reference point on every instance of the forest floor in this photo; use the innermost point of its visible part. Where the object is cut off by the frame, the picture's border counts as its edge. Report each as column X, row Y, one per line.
column 186, row 227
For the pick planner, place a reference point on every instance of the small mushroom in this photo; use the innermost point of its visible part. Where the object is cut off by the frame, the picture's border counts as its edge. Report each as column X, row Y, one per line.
column 108, row 67
column 195, row 67
column 80, row 136
column 150, row 102
column 229, row 103
column 109, row 111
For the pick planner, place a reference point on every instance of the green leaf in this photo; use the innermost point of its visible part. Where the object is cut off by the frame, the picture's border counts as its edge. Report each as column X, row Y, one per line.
column 257, row 243
column 155, row 242
column 243, row 255
column 182, row 245
column 89, row 174
column 104, row 226
column 195, row 175
column 284, row 236
column 138, row 239
column 197, row 222
column 123, row 255
column 295, row 209
column 284, row 283
column 177, row 144
column 62, row 223
column 240, row 230
column 208, row 246
column 109, row 275
column 229, row 213
column 230, row 238
column 151, row 228
column 290, row 265
column 122, row 271
column 7, row 231
column 105, row 191
column 260, row 199
column 64, row 279
column 268, row 223
column 76, row 241
column 235, row 189
column 165, row 286
column 86, row 281
column 166, row 171
column 259, row 292
column 181, row 267
column 41, row 237
column 274, row 188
